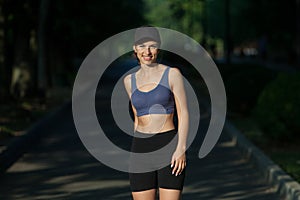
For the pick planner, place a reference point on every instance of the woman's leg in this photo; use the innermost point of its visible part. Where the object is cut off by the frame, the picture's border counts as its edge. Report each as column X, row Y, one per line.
column 169, row 194
column 144, row 195
column 170, row 186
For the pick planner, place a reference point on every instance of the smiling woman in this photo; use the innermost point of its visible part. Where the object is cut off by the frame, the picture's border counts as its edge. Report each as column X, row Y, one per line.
column 155, row 90
column 146, row 44
column 146, row 52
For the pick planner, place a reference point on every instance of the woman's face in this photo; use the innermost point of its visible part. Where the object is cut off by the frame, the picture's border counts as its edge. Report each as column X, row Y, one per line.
column 146, row 52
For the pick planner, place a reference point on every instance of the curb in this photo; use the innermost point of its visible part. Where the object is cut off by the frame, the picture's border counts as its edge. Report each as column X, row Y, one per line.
column 285, row 185
column 20, row 145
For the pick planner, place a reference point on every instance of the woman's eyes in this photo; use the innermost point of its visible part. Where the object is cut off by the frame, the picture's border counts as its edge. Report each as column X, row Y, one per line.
column 147, row 47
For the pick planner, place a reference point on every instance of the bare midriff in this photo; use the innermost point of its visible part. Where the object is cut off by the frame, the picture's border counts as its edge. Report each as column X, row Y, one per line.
column 155, row 123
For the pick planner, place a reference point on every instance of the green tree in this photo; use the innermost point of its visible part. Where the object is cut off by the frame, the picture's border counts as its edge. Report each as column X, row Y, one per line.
column 181, row 15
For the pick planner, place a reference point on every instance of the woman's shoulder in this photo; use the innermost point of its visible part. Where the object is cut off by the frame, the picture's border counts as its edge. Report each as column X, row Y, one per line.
column 175, row 76
column 127, row 79
column 172, row 69
column 175, row 71
column 127, row 82
column 128, row 76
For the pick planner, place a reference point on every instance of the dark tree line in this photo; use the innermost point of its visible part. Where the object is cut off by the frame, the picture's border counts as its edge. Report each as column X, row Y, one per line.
column 43, row 42
column 233, row 22
column 16, row 25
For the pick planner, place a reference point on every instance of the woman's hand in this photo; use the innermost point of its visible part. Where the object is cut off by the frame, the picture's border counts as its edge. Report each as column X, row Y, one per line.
column 178, row 162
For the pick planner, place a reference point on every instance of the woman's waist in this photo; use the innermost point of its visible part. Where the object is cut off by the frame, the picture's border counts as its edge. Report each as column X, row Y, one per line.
column 163, row 133
column 155, row 123
column 145, row 142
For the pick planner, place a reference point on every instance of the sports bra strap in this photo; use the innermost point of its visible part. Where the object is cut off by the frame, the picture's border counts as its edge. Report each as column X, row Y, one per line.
column 133, row 83
column 165, row 78
column 164, row 81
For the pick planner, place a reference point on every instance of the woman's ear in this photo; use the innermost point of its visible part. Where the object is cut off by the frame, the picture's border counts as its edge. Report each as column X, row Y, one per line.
column 134, row 48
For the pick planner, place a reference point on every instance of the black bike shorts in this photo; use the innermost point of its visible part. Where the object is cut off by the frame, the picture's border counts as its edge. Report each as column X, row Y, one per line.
column 159, row 177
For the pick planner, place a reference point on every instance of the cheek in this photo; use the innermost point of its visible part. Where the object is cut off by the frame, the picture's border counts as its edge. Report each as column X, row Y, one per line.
column 139, row 55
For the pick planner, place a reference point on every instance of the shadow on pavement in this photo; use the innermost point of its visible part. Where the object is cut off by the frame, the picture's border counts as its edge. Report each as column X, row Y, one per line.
column 59, row 167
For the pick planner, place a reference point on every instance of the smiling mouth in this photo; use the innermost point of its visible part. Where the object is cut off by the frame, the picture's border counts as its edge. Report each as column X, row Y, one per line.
column 147, row 58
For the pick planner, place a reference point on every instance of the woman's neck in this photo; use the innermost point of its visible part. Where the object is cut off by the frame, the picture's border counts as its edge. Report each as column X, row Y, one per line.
column 149, row 69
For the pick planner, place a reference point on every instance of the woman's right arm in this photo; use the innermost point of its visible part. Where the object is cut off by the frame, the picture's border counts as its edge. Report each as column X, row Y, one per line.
column 127, row 84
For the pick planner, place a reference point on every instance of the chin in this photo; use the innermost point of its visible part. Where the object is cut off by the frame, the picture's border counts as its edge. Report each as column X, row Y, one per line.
column 149, row 63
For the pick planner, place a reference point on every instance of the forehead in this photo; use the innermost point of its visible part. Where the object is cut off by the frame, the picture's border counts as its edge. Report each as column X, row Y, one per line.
column 148, row 43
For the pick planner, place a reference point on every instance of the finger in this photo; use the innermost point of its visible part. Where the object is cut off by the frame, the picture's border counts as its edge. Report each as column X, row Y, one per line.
column 183, row 166
column 179, row 169
column 172, row 162
column 175, row 167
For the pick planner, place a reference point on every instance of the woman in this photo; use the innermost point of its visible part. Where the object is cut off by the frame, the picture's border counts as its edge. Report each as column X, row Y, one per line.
column 154, row 91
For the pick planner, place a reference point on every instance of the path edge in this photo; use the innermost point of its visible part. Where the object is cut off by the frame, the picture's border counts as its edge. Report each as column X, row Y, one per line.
column 20, row 145
column 285, row 185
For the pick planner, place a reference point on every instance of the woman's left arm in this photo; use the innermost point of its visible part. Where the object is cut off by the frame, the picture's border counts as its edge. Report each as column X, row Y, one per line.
column 177, row 86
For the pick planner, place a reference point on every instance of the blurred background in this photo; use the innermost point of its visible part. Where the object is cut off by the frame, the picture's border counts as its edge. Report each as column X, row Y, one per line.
column 255, row 44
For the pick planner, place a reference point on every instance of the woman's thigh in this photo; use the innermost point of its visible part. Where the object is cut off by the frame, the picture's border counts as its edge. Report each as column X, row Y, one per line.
column 144, row 195
column 169, row 194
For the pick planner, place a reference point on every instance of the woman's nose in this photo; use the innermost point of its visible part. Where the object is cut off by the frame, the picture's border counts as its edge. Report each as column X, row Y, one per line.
column 148, row 50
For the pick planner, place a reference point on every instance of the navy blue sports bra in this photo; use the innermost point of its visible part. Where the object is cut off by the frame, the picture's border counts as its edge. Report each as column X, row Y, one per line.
column 159, row 100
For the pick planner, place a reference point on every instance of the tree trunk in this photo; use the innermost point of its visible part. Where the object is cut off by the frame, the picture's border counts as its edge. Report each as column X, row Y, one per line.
column 20, row 26
column 2, row 51
column 298, row 32
column 41, row 65
column 227, row 32
column 6, row 53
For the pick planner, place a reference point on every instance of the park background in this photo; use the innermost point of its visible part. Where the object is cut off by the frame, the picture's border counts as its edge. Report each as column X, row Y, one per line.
column 255, row 44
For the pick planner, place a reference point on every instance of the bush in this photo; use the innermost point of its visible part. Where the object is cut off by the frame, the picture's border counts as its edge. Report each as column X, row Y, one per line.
column 278, row 107
column 243, row 85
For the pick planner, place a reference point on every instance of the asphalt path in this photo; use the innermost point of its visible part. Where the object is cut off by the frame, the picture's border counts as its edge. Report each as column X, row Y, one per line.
column 59, row 167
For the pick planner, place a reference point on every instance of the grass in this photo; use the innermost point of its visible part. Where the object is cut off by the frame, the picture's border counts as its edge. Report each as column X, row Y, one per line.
column 286, row 154
column 244, row 84
column 289, row 160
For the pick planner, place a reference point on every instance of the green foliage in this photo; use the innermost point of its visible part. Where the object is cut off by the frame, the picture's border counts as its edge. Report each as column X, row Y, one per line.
column 183, row 15
column 286, row 155
column 243, row 85
column 289, row 161
column 250, row 19
column 278, row 108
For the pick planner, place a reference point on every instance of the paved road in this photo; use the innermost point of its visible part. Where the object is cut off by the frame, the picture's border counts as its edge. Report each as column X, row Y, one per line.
column 59, row 168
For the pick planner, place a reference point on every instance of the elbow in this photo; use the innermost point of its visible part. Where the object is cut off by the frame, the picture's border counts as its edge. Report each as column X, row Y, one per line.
column 184, row 116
